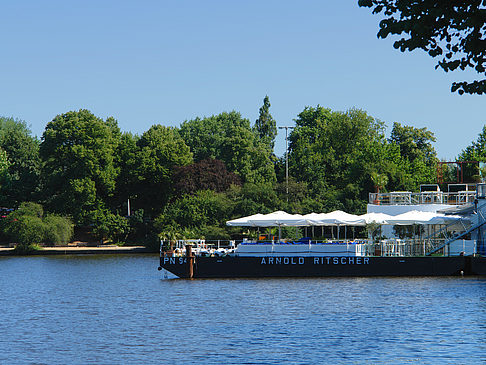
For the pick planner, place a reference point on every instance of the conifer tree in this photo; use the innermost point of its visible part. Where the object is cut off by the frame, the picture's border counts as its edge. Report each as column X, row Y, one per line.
column 265, row 125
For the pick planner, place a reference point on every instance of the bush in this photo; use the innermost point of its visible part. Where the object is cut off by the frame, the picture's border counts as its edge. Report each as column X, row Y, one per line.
column 58, row 230
column 109, row 225
column 27, row 226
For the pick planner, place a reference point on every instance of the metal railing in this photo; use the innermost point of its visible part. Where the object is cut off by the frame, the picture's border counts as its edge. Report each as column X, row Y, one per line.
column 436, row 244
column 409, row 198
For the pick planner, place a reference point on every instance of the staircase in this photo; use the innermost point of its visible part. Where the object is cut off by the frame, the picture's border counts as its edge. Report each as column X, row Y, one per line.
column 441, row 239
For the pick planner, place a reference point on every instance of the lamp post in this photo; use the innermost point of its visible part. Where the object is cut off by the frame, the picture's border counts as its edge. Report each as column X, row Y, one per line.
column 286, row 157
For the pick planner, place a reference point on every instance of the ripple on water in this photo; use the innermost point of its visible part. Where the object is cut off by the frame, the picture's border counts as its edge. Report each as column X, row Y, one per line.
column 118, row 309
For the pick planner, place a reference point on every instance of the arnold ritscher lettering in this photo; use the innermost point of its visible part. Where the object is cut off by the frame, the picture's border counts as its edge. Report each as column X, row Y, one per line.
column 324, row 260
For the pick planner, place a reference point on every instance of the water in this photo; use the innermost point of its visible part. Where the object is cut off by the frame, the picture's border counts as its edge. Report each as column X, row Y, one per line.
column 120, row 310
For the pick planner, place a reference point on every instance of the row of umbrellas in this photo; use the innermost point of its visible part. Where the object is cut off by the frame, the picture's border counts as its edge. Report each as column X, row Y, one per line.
column 340, row 218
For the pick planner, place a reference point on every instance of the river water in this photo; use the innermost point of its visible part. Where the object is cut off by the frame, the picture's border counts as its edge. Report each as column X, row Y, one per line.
column 121, row 310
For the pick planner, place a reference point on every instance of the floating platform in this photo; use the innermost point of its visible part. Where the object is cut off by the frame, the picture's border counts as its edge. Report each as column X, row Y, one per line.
column 323, row 266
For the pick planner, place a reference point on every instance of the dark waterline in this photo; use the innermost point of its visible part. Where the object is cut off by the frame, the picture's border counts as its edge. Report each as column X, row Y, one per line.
column 119, row 309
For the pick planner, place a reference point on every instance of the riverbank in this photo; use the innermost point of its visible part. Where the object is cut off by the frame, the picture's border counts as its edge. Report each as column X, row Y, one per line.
column 80, row 250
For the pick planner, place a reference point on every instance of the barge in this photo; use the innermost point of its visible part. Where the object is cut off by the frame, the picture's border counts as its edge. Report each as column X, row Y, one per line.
column 314, row 260
column 300, row 266
column 457, row 247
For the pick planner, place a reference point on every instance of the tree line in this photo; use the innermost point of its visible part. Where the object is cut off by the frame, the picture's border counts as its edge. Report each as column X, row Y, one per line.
column 187, row 181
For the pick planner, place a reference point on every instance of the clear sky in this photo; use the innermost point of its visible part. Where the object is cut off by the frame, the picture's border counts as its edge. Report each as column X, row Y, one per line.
column 148, row 62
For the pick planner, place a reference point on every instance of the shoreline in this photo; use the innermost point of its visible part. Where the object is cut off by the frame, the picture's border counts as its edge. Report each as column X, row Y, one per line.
column 79, row 250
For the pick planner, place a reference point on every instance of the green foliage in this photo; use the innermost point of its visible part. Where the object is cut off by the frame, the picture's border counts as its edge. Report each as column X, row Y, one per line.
column 379, row 180
column 23, row 249
column 212, row 233
column 414, row 143
column 417, row 155
column 476, row 151
column 30, row 209
column 265, row 125
column 28, row 226
column 204, row 208
column 126, row 163
column 59, row 230
column 79, row 173
column 160, row 149
column 453, row 30
column 140, row 227
column 4, row 175
column 253, row 198
column 109, row 225
column 90, row 170
column 228, row 137
column 21, row 180
column 374, row 231
column 335, row 152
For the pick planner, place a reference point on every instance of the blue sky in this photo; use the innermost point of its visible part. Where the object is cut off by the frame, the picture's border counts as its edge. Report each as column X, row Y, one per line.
column 148, row 62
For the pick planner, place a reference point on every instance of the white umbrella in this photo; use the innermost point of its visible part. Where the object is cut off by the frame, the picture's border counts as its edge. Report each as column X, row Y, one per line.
column 375, row 217
column 243, row 221
column 314, row 218
column 337, row 218
column 278, row 218
column 413, row 217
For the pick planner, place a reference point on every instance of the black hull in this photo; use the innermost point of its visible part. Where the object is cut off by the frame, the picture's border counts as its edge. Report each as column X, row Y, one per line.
column 478, row 265
column 258, row 267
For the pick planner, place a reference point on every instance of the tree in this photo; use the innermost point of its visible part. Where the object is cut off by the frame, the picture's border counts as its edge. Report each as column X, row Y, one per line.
column 416, row 148
column 4, row 164
column 160, row 150
column 22, row 151
column 476, row 151
column 126, row 163
column 79, row 174
column 414, row 143
column 228, row 137
column 265, row 125
column 29, row 225
column 209, row 174
column 335, row 153
column 253, row 198
column 109, row 225
column 379, row 180
column 453, row 30
column 194, row 212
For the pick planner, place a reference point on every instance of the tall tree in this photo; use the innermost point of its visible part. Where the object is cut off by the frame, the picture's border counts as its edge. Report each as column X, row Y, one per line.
column 476, row 151
column 228, row 137
column 22, row 151
column 77, row 150
column 160, row 149
column 207, row 174
column 454, row 30
column 126, row 163
column 414, row 143
column 4, row 176
column 335, row 153
column 265, row 125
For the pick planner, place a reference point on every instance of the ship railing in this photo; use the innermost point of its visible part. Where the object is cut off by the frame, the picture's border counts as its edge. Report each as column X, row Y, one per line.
column 437, row 246
column 395, row 247
column 409, row 198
